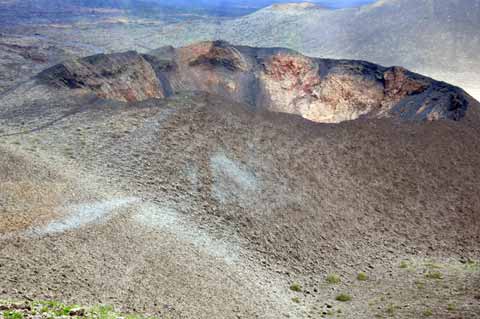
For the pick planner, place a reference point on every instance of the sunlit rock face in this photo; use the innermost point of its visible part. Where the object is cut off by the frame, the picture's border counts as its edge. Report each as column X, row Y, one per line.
column 273, row 79
column 295, row 84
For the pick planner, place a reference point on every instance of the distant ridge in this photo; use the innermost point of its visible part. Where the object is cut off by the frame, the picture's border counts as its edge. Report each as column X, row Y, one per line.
column 439, row 38
column 296, row 6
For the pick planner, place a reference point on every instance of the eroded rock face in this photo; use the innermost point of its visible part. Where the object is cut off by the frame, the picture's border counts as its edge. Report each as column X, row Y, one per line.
column 274, row 79
column 294, row 84
column 125, row 76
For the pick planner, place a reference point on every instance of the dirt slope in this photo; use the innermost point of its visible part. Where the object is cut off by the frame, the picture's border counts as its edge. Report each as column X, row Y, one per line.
column 214, row 210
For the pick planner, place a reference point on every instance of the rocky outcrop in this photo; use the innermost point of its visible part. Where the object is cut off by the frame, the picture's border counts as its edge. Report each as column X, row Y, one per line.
column 274, row 79
column 125, row 76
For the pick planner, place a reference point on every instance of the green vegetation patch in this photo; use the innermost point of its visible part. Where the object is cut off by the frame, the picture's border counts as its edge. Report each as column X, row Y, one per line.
column 13, row 315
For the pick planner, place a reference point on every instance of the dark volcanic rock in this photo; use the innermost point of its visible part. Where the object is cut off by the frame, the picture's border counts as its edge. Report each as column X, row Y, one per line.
column 280, row 80
column 120, row 76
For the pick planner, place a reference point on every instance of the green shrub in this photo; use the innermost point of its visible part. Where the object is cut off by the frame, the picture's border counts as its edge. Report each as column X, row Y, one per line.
column 296, row 300
column 343, row 298
column 333, row 279
column 362, row 276
column 295, row 287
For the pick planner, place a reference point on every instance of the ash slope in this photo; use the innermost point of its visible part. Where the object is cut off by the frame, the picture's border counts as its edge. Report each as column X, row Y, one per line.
column 278, row 80
column 235, row 205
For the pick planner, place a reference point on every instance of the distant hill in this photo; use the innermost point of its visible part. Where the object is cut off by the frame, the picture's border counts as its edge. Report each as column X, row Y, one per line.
column 216, row 7
column 436, row 37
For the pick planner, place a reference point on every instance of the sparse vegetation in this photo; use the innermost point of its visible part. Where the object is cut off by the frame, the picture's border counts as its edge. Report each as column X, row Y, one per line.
column 343, row 297
column 104, row 312
column 296, row 300
column 403, row 264
column 54, row 309
column 451, row 307
column 13, row 315
column 362, row 276
column 428, row 313
column 333, row 279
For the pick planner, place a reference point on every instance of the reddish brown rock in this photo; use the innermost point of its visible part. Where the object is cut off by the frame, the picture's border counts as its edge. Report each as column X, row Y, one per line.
column 399, row 85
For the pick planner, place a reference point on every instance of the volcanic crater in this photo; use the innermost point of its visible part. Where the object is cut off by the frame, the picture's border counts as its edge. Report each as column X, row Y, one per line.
column 273, row 79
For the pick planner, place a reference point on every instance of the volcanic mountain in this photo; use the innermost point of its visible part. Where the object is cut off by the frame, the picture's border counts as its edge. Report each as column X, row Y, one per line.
column 204, row 182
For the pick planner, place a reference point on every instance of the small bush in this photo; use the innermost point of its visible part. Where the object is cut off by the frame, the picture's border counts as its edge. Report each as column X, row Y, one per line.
column 296, row 300
column 362, row 276
column 420, row 284
column 451, row 307
column 343, row 298
column 295, row 287
column 403, row 264
column 333, row 279
column 391, row 309
column 434, row 275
